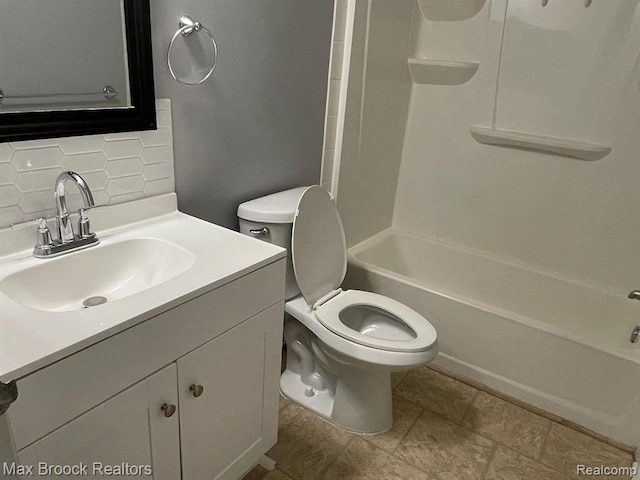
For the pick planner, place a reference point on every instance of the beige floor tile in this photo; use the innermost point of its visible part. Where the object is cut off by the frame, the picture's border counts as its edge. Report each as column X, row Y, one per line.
column 277, row 475
column 445, row 450
column 307, row 445
column 363, row 461
column 404, row 415
column 283, row 402
column 510, row 465
column 396, row 378
column 258, row 473
column 506, row 423
column 566, row 448
column 437, row 392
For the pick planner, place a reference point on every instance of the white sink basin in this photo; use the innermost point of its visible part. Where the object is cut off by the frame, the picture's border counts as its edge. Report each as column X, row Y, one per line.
column 151, row 258
column 97, row 275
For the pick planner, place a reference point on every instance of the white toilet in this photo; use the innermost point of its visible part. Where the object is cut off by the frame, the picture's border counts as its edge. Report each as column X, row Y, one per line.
column 341, row 345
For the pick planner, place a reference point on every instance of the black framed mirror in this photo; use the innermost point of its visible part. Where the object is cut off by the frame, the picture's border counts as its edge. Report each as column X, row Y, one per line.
column 55, row 83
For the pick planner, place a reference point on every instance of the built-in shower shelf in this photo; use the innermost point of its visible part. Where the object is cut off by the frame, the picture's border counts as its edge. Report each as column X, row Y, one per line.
column 526, row 141
column 441, row 72
column 450, row 10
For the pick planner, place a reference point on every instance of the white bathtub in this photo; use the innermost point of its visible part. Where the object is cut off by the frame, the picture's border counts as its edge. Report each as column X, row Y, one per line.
column 549, row 341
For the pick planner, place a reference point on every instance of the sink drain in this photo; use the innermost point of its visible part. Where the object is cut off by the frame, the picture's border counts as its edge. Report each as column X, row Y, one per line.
column 93, row 301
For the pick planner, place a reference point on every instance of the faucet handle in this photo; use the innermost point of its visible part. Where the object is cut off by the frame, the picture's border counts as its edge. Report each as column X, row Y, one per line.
column 41, row 222
column 84, row 227
column 43, row 235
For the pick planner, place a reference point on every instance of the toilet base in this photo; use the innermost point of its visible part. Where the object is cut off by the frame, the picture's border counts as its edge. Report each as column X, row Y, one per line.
column 320, row 402
column 361, row 402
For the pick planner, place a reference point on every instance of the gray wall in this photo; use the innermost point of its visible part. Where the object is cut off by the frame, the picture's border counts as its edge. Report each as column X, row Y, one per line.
column 256, row 126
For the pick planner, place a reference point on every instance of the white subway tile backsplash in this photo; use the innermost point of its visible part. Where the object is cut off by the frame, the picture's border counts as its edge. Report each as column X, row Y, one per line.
column 33, row 202
column 127, row 166
column 101, row 197
column 37, row 158
column 164, row 118
column 125, row 185
column 156, row 187
column 160, row 154
column 114, row 137
column 153, row 138
column 96, row 180
column 163, row 105
column 127, row 197
column 37, row 180
column 157, row 171
column 31, row 144
column 8, row 174
column 5, row 152
column 118, row 167
column 87, row 162
column 9, row 195
column 88, row 144
column 123, row 149
column 10, row 215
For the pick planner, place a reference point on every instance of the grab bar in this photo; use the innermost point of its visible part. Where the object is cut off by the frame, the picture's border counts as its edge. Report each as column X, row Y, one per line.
column 109, row 93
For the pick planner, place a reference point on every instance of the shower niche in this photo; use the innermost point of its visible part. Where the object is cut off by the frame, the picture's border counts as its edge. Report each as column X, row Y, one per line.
column 444, row 48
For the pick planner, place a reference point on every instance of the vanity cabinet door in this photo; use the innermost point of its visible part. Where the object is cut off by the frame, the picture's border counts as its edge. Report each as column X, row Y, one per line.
column 228, row 392
column 130, row 428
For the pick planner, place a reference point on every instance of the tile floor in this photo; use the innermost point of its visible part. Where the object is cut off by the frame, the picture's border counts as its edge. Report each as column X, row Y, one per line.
column 444, row 429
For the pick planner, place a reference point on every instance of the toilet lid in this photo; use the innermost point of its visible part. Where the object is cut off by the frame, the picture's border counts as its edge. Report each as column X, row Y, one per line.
column 318, row 246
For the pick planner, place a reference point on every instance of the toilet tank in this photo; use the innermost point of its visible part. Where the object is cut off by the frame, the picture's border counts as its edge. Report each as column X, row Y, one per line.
column 270, row 218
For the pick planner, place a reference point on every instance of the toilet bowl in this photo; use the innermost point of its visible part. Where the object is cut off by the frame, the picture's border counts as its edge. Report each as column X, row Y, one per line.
column 342, row 345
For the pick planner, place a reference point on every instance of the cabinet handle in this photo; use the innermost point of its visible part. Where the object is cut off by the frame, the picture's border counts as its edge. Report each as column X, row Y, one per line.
column 196, row 390
column 168, row 409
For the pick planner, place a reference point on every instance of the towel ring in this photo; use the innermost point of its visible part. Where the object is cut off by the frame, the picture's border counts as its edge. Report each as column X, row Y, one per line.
column 186, row 26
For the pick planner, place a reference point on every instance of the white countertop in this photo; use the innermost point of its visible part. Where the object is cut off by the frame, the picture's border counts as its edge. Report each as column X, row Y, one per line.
column 31, row 339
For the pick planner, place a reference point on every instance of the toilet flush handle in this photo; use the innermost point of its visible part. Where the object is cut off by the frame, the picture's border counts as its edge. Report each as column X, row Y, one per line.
column 260, row 232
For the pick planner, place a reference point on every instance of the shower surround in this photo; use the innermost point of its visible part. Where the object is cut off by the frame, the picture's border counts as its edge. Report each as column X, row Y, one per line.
column 489, row 178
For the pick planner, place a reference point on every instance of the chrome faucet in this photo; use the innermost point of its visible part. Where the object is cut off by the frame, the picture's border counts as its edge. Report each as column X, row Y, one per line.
column 67, row 240
column 65, row 229
column 635, row 334
column 634, row 295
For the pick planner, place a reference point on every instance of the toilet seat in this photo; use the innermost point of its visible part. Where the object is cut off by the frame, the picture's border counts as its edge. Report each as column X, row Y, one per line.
column 390, row 325
column 319, row 254
column 355, row 352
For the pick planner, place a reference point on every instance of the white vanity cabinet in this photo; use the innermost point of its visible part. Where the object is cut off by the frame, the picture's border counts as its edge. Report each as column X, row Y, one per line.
column 129, row 429
column 228, row 417
column 214, row 359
